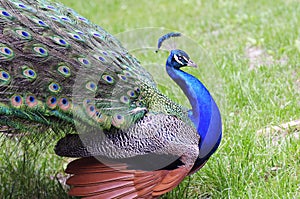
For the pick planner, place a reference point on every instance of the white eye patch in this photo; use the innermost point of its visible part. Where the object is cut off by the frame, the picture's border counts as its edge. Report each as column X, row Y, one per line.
column 177, row 59
column 185, row 59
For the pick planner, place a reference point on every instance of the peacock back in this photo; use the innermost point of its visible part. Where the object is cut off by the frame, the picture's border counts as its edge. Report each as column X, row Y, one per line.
column 57, row 69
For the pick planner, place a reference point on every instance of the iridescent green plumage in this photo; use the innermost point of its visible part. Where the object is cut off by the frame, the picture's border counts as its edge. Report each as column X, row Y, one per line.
column 57, row 67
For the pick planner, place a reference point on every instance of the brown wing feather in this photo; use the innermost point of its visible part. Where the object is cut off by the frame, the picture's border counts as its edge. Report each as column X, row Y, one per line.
column 93, row 179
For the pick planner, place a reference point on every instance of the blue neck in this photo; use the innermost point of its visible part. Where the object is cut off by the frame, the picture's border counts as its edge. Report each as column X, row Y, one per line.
column 204, row 114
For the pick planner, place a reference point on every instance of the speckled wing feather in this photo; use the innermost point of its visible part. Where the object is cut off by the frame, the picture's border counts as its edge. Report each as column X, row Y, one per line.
column 145, row 161
column 158, row 134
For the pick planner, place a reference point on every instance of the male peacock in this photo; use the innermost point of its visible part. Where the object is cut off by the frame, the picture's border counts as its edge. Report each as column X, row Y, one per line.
column 60, row 71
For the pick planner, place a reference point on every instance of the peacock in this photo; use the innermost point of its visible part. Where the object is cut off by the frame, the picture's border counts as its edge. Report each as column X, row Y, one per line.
column 59, row 71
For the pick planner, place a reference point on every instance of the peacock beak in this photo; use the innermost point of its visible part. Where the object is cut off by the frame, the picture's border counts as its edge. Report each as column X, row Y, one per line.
column 192, row 64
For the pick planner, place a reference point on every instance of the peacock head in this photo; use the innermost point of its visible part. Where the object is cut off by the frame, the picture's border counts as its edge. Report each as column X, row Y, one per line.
column 179, row 58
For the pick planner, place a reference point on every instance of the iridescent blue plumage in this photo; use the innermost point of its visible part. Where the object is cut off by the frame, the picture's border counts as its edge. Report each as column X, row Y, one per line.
column 205, row 113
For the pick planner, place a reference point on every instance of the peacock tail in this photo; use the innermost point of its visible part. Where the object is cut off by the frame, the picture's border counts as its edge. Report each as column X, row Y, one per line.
column 57, row 67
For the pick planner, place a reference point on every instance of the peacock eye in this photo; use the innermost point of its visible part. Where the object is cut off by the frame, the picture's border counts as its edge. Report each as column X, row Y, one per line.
column 179, row 59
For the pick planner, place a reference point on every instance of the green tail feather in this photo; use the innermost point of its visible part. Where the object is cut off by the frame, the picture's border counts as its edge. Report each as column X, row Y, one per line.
column 57, row 67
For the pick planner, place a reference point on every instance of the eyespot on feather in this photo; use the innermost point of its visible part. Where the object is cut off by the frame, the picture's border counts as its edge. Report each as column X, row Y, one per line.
column 54, row 87
column 60, row 41
column 66, row 19
column 51, row 102
column 64, row 104
column 82, row 19
column 29, row 73
column 54, row 18
column 24, row 7
column 64, row 70
column 91, row 86
column 124, row 100
column 128, row 74
column 6, row 53
column 97, row 35
column 40, row 22
column 16, row 101
column 131, row 94
column 50, row 7
column 6, row 14
column 79, row 32
column 23, row 34
column 101, row 59
column 122, row 77
column 76, row 37
column 107, row 78
column 138, row 104
column 4, row 76
column 39, row 50
column 91, row 110
column 87, row 102
column 137, row 89
column 84, row 61
column 31, row 101
column 118, row 120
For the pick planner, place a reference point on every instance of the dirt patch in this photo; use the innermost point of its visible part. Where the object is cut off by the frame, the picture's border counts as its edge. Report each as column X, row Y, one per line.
column 259, row 57
column 278, row 132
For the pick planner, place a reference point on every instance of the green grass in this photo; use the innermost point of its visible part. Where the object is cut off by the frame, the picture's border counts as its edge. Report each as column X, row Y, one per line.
column 246, row 165
column 29, row 169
